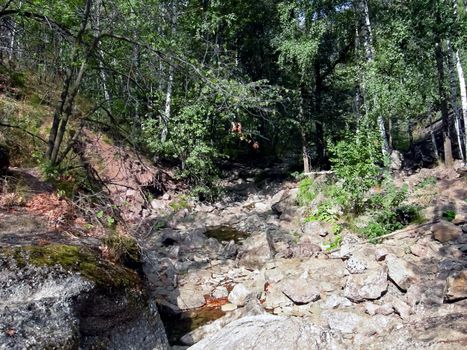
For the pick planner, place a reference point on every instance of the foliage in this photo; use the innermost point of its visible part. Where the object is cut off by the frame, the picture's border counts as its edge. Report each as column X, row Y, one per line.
column 307, row 191
column 355, row 162
column 448, row 215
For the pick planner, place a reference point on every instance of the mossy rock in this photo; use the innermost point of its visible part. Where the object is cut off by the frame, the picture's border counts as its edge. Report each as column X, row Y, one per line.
column 77, row 259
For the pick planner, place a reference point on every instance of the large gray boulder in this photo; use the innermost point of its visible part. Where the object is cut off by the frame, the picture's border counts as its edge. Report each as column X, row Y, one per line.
column 271, row 333
column 256, row 251
column 66, row 297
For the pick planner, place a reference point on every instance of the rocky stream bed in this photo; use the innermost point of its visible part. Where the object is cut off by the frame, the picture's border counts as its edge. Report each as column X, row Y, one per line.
column 244, row 273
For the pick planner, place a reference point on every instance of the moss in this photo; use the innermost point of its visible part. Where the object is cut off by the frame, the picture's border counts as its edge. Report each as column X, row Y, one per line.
column 76, row 259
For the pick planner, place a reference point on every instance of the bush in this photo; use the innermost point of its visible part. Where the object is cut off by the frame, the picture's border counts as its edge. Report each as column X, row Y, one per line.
column 306, row 191
column 355, row 162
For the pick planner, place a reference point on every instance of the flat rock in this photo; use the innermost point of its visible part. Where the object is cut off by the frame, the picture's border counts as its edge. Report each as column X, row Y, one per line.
column 342, row 321
column 239, row 295
column 301, row 291
column 445, row 231
column 269, row 332
column 401, row 272
column 456, row 287
column 367, row 286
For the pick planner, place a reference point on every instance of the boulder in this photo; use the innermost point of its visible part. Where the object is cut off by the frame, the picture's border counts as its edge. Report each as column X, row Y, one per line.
column 456, row 286
column 366, row 286
column 317, row 228
column 444, row 231
column 300, row 291
column 66, row 297
column 256, row 251
column 342, row 321
column 396, row 160
column 269, row 332
column 239, row 295
column 401, row 272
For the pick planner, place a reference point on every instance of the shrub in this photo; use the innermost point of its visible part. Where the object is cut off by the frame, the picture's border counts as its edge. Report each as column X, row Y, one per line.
column 306, row 191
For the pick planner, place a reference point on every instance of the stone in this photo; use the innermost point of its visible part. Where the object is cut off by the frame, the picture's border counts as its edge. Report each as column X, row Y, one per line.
column 422, row 251
column 269, row 332
column 305, row 248
column 220, row 292
column 385, row 309
column 166, row 196
column 262, row 207
column 355, row 265
column 396, row 160
column 380, row 254
column 342, row 321
column 300, row 291
column 189, row 297
column 256, row 251
column 444, row 231
column 456, row 286
column 367, row 286
column 334, row 301
column 401, row 272
column 228, row 307
column 413, row 295
column 317, row 228
column 68, row 305
column 401, row 308
column 239, row 295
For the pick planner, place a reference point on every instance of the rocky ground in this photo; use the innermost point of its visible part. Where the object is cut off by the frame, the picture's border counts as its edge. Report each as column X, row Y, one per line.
column 275, row 285
column 243, row 273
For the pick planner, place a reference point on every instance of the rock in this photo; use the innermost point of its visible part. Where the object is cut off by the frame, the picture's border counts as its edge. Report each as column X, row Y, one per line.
column 220, row 292
column 300, row 291
column 401, row 308
column 256, row 251
column 189, row 297
column 380, row 254
column 230, row 250
column 317, row 228
column 401, row 272
column 166, row 196
column 342, row 321
column 158, row 204
column 396, row 160
column 334, row 301
column 444, row 231
column 421, row 251
column 228, row 307
column 456, row 286
column 239, row 294
column 413, row 295
column 262, row 207
column 385, row 309
column 367, row 286
column 269, row 332
column 4, row 160
column 286, row 207
column 355, row 265
column 305, row 248
column 252, row 308
column 66, row 297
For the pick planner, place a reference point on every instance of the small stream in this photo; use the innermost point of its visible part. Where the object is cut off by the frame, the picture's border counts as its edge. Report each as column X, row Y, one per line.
column 177, row 324
column 226, row 234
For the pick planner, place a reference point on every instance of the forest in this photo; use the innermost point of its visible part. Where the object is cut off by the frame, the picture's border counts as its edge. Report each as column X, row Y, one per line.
column 160, row 139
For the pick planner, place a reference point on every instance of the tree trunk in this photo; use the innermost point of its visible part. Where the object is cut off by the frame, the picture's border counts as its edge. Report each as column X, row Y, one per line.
column 319, row 128
column 170, row 81
column 369, row 52
column 455, row 107
column 460, row 75
column 301, row 118
column 447, row 144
